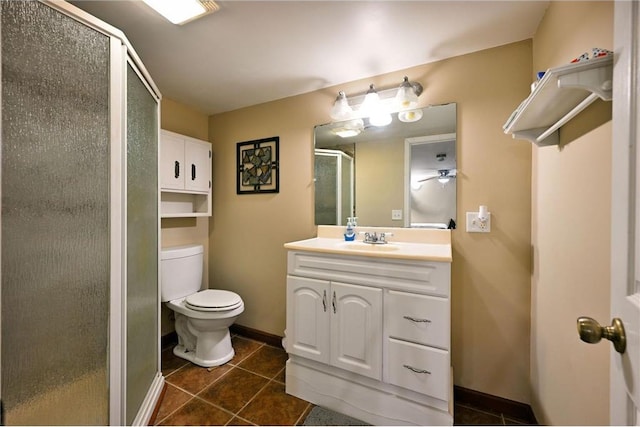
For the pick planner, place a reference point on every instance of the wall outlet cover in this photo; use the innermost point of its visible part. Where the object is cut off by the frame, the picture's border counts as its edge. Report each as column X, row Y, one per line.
column 474, row 225
column 396, row 214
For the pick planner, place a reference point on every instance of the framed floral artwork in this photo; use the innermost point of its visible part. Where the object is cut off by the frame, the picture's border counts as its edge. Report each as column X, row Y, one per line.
column 258, row 167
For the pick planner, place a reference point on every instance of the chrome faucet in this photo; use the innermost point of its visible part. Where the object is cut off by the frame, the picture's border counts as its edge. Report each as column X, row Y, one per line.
column 375, row 238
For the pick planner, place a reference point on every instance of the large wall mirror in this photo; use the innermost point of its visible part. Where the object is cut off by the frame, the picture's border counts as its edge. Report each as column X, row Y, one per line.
column 400, row 175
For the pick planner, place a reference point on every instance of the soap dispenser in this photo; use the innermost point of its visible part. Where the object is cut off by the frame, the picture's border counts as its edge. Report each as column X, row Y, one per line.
column 350, row 232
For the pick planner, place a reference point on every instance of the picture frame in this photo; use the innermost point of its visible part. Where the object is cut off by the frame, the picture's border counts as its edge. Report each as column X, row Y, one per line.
column 258, row 166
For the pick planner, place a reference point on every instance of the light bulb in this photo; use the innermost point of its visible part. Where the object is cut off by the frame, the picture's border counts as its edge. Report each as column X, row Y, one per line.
column 341, row 109
column 371, row 104
column 406, row 97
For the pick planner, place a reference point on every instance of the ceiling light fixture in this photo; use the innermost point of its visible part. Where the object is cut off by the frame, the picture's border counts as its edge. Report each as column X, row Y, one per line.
column 377, row 106
column 183, row 11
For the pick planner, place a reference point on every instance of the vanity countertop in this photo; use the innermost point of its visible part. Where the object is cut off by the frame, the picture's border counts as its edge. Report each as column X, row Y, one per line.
column 425, row 245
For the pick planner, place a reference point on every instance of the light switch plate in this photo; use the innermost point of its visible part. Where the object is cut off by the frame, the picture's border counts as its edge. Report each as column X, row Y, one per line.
column 474, row 225
column 396, row 214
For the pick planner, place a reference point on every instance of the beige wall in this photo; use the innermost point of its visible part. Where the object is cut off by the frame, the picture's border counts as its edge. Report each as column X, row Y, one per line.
column 490, row 273
column 377, row 193
column 571, row 233
column 182, row 119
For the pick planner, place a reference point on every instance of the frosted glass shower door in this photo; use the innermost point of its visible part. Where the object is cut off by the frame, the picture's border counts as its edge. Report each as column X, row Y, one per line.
column 55, row 218
column 79, row 257
column 142, row 340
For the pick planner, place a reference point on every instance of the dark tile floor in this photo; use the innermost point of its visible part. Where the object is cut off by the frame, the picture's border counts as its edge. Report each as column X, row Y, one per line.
column 250, row 390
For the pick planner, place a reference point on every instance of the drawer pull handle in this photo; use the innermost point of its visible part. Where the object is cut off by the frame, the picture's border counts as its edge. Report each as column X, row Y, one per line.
column 413, row 319
column 416, row 370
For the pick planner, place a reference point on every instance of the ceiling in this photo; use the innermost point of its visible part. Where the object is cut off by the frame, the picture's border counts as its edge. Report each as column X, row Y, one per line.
column 250, row 52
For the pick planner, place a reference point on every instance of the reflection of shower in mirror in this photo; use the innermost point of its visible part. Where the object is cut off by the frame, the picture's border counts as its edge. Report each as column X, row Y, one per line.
column 333, row 186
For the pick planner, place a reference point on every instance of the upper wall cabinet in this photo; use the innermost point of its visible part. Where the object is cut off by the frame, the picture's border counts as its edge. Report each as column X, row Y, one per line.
column 185, row 176
column 560, row 95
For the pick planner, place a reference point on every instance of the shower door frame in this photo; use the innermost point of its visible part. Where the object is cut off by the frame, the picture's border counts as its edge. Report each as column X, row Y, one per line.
column 121, row 54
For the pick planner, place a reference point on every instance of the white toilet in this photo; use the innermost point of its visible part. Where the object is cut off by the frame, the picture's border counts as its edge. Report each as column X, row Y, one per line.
column 202, row 317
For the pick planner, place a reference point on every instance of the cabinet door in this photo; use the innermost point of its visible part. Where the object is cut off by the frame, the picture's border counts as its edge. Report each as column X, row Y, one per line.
column 356, row 329
column 197, row 159
column 308, row 318
column 172, row 168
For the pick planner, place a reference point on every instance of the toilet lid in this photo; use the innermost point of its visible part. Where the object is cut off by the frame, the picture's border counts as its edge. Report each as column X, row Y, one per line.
column 213, row 300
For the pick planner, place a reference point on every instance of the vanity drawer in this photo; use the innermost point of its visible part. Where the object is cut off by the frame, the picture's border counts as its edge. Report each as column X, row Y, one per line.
column 416, row 367
column 419, row 318
column 426, row 277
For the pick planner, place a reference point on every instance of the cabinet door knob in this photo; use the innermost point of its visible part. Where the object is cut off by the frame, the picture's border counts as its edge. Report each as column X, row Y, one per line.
column 193, row 172
column 176, row 169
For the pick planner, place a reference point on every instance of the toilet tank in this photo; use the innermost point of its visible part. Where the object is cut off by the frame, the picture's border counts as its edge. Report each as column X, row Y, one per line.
column 180, row 271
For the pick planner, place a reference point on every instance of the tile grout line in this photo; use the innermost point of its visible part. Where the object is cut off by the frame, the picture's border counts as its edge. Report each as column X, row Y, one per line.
column 233, row 366
column 193, row 396
column 309, row 404
column 251, row 400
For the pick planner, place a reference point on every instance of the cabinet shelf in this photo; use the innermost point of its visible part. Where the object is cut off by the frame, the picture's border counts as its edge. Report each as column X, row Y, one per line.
column 560, row 95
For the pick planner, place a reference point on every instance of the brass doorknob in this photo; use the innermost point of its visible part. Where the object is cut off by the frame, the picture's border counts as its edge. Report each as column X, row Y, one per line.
column 591, row 332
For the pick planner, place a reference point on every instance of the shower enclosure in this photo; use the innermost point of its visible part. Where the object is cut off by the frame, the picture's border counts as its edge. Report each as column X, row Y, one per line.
column 79, row 340
column 334, row 187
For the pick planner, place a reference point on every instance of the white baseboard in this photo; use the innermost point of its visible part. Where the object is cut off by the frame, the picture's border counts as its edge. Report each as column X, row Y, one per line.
column 149, row 403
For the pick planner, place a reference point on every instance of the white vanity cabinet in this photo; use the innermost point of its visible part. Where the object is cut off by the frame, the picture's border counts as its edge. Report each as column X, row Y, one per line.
column 370, row 336
column 185, row 176
column 336, row 323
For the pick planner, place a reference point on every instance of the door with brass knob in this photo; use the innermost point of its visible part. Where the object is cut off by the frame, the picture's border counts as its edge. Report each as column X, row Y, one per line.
column 591, row 332
column 624, row 400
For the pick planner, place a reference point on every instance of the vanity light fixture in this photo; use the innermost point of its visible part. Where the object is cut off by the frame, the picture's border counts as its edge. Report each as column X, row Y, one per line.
column 373, row 108
column 341, row 109
column 183, row 11
column 408, row 92
column 377, row 106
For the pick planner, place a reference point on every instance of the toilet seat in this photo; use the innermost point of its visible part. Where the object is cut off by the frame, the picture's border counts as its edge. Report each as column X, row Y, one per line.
column 213, row 300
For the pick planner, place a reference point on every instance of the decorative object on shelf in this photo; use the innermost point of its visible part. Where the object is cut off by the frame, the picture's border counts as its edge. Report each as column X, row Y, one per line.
column 377, row 105
column 559, row 96
column 258, row 166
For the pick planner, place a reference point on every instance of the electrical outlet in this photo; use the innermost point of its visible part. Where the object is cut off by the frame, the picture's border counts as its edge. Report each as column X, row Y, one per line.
column 474, row 225
column 396, row 214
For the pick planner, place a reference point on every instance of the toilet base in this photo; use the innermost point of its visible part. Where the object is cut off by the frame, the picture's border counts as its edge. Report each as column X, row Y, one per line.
column 191, row 356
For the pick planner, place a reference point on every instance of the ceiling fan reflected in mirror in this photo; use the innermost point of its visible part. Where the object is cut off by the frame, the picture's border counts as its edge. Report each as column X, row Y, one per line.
column 444, row 175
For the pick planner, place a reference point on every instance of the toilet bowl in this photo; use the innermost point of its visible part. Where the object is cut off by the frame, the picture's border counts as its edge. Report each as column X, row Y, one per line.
column 202, row 317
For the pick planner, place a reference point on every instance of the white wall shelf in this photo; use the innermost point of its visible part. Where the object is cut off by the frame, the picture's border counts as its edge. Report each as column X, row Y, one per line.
column 560, row 95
